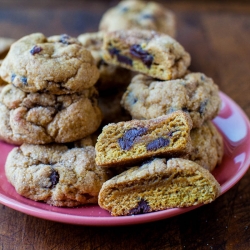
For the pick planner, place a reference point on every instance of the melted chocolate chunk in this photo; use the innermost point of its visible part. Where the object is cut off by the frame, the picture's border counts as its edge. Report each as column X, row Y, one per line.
column 35, row 50
column 141, row 208
column 13, row 76
column 114, row 51
column 24, row 80
column 158, row 143
column 64, row 39
column 202, row 107
column 124, row 59
column 120, row 58
column 126, row 142
column 137, row 51
column 54, row 178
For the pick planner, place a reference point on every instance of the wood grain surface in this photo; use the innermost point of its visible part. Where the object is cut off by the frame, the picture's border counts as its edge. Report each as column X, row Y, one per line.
column 217, row 35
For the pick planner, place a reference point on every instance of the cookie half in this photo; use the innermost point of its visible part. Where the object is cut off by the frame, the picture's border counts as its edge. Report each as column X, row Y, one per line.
column 56, row 174
column 154, row 54
column 58, row 64
column 130, row 142
column 158, row 185
column 195, row 93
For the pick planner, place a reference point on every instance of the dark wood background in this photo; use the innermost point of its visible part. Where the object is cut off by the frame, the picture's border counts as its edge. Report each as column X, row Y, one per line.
column 217, row 35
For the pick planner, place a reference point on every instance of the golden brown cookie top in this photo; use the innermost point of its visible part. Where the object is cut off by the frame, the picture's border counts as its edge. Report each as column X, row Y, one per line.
column 57, row 64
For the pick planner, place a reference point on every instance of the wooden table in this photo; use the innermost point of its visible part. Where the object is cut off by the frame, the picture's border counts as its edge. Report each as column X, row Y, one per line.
column 217, row 35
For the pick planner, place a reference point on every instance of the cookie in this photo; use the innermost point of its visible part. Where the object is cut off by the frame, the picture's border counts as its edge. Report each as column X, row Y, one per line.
column 195, row 93
column 154, row 54
column 133, row 141
column 59, row 65
column 55, row 174
column 110, row 75
column 158, row 185
column 207, row 146
column 5, row 44
column 141, row 15
column 39, row 118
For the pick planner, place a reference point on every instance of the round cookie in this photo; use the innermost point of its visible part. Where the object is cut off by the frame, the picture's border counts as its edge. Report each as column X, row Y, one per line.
column 132, row 14
column 59, row 65
column 40, row 118
column 110, row 75
column 56, row 174
column 195, row 94
column 207, row 146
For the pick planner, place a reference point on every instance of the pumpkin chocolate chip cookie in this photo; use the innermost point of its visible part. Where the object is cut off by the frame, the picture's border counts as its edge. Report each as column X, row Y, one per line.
column 40, row 118
column 59, row 65
column 158, row 185
column 154, row 54
column 195, row 93
column 56, row 174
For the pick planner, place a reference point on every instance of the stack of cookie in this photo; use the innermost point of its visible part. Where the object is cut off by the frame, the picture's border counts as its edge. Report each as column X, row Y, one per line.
column 171, row 136
column 49, row 103
column 158, row 135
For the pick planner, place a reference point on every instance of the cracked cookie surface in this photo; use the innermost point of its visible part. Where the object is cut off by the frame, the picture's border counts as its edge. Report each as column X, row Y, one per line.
column 141, row 15
column 158, row 185
column 154, row 54
column 56, row 174
column 195, row 93
column 40, row 118
column 58, row 64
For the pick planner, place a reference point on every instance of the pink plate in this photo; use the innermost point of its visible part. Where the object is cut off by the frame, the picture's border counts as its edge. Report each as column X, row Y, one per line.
column 231, row 122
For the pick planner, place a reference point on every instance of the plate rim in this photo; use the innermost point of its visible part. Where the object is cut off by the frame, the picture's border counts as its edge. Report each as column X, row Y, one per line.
column 125, row 220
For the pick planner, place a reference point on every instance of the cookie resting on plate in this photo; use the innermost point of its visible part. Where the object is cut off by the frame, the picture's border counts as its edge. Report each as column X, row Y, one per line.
column 56, row 174
column 158, row 185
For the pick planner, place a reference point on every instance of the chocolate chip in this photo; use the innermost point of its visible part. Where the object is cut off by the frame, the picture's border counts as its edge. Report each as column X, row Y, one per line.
column 124, row 59
column 126, row 142
column 203, row 77
column 158, row 143
column 114, row 51
column 132, row 99
column 24, row 80
column 203, row 107
column 141, row 208
column 124, row 9
column 13, row 76
column 54, row 178
column 137, row 51
column 64, row 39
column 148, row 16
column 35, row 50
